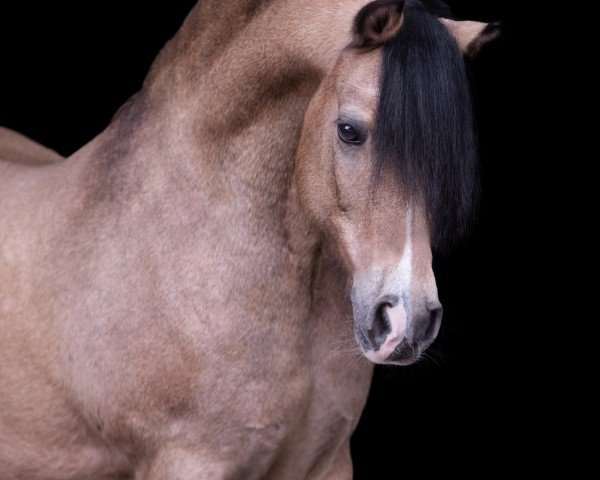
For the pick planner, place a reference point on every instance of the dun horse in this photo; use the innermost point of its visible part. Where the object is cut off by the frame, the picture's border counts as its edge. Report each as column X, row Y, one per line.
column 175, row 295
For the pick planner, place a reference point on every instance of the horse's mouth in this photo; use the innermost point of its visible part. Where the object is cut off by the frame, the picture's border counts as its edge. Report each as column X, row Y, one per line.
column 406, row 353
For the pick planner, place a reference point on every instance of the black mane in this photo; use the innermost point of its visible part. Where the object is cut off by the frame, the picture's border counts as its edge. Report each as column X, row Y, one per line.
column 425, row 128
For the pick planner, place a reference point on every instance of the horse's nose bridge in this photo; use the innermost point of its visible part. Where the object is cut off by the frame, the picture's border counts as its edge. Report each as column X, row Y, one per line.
column 399, row 269
column 415, row 289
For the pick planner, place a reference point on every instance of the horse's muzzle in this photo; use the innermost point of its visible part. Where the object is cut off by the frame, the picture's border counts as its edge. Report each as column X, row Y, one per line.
column 391, row 335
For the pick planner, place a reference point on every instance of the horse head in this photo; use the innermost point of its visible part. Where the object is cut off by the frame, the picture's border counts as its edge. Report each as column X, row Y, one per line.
column 387, row 167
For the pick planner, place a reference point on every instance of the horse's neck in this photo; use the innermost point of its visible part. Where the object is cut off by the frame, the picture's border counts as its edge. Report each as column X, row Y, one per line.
column 238, row 77
column 222, row 109
column 251, row 35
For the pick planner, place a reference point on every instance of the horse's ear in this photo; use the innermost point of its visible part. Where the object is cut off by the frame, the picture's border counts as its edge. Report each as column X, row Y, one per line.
column 472, row 36
column 377, row 22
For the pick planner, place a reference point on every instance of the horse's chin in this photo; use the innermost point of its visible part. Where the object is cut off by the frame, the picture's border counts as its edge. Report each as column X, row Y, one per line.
column 405, row 354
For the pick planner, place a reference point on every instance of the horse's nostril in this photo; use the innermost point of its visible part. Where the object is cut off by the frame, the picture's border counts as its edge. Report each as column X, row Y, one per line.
column 435, row 319
column 380, row 327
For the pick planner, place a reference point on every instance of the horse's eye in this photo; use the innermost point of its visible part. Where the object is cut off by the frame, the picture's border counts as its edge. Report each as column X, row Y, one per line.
column 348, row 134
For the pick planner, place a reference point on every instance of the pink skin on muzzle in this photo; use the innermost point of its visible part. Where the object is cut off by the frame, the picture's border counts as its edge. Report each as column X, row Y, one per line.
column 397, row 318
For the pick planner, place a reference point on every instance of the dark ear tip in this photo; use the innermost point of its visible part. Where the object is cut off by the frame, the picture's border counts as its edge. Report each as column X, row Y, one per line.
column 360, row 28
column 490, row 33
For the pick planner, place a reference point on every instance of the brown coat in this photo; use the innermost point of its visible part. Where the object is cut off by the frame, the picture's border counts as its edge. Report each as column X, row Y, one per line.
column 167, row 307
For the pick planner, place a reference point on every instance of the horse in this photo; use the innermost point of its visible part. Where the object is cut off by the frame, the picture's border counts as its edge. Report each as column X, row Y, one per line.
column 180, row 297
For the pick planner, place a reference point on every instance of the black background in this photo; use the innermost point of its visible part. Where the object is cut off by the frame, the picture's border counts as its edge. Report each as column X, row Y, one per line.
column 65, row 68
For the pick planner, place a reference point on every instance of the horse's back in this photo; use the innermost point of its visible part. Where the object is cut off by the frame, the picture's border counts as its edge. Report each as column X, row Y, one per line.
column 17, row 148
